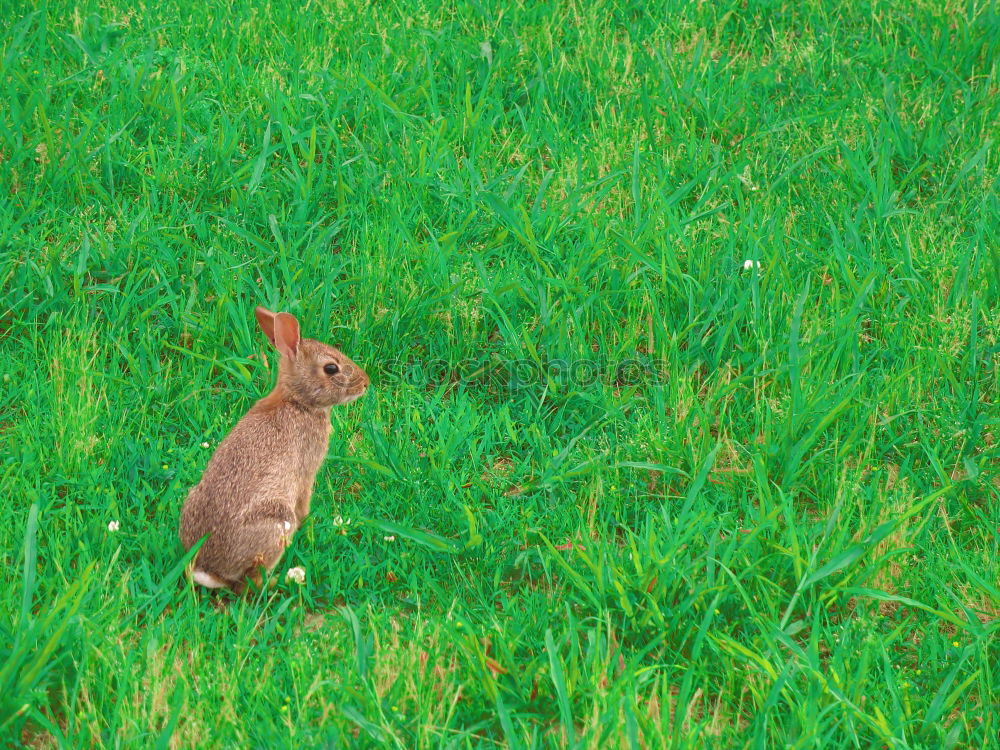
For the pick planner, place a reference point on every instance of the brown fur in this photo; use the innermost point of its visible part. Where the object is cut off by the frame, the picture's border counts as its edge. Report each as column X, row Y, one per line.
column 256, row 489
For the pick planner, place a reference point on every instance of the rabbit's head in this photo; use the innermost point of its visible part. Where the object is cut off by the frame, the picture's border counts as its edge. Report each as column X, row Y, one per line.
column 310, row 373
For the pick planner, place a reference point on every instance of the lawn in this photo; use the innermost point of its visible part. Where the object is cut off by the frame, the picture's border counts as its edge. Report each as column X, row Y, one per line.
column 683, row 325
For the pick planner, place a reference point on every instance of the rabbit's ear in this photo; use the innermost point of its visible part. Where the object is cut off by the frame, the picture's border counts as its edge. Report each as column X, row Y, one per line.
column 286, row 334
column 265, row 318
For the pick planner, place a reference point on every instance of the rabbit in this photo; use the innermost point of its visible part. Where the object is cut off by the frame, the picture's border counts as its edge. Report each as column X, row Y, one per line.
column 256, row 488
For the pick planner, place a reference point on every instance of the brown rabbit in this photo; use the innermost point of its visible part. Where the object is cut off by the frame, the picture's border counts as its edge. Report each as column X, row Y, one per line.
column 256, row 488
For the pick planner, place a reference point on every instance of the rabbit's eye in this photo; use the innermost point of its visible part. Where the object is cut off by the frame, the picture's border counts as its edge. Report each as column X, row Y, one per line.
column 331, row 369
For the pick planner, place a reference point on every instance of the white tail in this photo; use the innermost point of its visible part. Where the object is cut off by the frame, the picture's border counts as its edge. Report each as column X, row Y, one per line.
column 207, row 580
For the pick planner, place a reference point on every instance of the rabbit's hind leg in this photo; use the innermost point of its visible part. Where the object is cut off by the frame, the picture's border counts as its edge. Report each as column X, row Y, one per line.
column 267, row 540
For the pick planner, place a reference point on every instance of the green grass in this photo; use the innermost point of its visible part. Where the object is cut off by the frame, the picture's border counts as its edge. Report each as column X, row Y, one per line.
column 777, row 526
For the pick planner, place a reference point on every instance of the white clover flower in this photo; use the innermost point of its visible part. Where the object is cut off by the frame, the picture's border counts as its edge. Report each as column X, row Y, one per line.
column 113, row 526
column 390, row 538
column 748, row 264
column 205, row 444
column 296, row 574
column 341, row 521
column 746, row 178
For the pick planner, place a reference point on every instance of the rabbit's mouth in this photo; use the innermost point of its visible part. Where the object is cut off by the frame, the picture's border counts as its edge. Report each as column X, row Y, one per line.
column 354, row 396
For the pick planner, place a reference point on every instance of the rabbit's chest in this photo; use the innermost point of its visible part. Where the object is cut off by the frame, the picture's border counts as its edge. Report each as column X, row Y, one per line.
column 313, row 450
column 312, row 459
